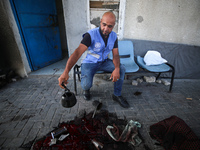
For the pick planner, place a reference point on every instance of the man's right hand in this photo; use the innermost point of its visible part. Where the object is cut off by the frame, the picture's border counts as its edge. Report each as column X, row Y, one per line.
column 63, row 79
column 70, row 63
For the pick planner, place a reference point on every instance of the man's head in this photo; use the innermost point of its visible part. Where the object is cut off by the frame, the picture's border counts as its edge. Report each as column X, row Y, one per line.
column 107, row 23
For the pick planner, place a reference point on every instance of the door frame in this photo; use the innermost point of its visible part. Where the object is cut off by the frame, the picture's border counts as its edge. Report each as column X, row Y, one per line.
column 21, row 34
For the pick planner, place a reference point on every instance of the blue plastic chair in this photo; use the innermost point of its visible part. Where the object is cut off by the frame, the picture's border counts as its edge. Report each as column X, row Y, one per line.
column 126, row 53
column 162, row 68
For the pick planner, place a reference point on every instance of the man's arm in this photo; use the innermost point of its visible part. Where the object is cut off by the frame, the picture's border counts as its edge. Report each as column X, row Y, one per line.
column 70, row 63
column 116, row 61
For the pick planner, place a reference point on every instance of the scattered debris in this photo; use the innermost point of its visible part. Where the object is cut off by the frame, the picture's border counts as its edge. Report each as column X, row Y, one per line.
column 128, row 134
column 58, row 132
column 97, row 144
column 63, row 136
column 137, row 93
column 158, row 81
column 139, row 80
column 150, row 79
column 165, row 82
column 53, row 142
column 88, row 133
column 134, row 82
column 7, row 76
column 97, row 106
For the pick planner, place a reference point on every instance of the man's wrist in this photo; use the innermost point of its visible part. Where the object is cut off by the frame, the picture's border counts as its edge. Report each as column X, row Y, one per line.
column 66, row 72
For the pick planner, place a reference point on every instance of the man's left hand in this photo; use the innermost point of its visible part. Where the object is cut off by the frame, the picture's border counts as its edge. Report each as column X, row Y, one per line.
column 115, row 75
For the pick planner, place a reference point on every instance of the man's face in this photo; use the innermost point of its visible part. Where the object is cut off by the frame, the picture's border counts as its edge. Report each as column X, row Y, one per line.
column 107, row 24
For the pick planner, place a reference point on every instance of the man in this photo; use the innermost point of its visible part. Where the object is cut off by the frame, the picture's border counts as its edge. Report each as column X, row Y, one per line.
column 99, row 42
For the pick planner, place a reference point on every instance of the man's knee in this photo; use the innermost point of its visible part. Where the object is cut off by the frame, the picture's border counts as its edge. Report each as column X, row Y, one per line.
column 86, row 83
column 122, row 69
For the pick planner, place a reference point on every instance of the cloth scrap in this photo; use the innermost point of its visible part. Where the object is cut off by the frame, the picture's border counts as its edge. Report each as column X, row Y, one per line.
column 129, row 133
column 174, row 134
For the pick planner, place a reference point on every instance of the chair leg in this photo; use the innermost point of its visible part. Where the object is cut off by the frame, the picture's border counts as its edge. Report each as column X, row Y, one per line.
column 158, row 75
column 172, row 77
column 172, row 81
column 78, row 73
column 75, row 88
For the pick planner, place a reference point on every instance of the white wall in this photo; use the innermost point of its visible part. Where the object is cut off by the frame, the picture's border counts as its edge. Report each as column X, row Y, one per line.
column 174, row 21
column 76, row 22
column 15, row 54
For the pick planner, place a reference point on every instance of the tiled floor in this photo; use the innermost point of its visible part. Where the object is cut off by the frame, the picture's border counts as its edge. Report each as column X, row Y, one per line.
column 54, row 69
column 30, row 107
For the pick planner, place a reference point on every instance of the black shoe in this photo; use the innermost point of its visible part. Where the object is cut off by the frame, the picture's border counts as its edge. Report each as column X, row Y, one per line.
column 86, row 94
column 121, row 101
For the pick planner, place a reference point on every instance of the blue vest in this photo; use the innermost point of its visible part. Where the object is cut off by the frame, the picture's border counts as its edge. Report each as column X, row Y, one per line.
column 97, row 52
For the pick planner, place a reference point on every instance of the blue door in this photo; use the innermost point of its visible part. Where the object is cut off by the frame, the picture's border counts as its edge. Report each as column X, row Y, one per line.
column 37, row 21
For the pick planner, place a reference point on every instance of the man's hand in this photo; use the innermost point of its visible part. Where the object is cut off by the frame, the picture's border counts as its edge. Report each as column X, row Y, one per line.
column 115, row 75
column 63, row 79
column 70, row 63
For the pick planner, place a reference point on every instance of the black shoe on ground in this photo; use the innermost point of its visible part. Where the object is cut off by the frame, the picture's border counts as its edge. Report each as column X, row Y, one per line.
column 86, row 94
column 121, row 101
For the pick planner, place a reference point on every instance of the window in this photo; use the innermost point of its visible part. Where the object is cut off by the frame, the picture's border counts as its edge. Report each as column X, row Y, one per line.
column 99, row 7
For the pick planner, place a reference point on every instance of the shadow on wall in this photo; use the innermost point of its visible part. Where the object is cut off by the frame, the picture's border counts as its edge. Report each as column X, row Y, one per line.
column 10, row 55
